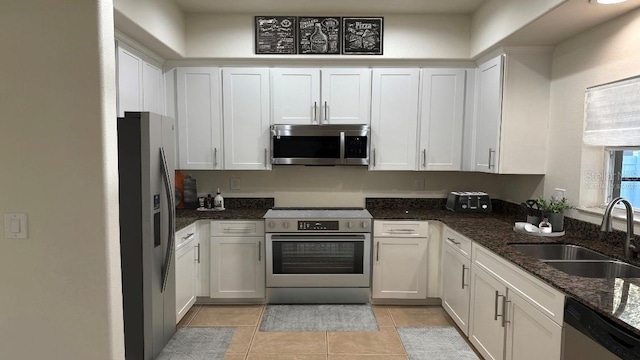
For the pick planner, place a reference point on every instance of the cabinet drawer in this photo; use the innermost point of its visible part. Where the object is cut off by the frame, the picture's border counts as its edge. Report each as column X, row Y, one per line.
column 461, row 243
column 237, row 228
column 401, row 228
column 540, row 295
column 185, row 235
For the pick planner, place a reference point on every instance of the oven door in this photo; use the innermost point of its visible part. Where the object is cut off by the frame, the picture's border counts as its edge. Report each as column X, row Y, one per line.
column 318, row 260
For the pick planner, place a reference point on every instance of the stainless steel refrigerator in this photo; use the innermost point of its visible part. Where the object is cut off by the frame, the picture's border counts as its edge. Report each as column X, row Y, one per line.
column 146, row 162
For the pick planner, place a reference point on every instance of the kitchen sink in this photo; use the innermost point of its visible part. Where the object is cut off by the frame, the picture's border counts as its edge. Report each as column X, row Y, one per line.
column 596, row 269
column 558, row 252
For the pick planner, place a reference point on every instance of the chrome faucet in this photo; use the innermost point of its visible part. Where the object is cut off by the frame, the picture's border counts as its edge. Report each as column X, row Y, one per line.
column 630, row 245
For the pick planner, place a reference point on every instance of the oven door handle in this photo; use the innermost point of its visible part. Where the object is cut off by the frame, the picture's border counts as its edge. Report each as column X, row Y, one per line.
column 309, row 237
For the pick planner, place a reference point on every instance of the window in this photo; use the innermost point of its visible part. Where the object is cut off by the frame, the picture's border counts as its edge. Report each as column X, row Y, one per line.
column 624, row 175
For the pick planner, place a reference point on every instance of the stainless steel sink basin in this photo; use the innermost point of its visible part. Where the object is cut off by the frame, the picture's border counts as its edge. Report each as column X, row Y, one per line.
column 596, row 269
column 558, row 252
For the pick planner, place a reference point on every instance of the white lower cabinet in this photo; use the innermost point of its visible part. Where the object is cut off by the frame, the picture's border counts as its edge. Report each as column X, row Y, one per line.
column 187, row 261
column 513, row 315
column 237, row 260
column 486, row 328
column 530, row 334
column 400, row 260
column 455, row 298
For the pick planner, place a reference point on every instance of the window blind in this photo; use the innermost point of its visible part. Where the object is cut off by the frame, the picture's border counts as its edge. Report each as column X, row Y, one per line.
column 612, row 114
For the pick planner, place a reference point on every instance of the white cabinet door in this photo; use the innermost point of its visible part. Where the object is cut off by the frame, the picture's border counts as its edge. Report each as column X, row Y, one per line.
column 203, row 270
column 237, row 267
column 488, row 116
column 129, row 80
column 246, row 118
column 199, row 118
column 394, row 119
column 152, row 86
column 346, row 96
column 400, row 268
column 456, row 275
column 442, row 115
column 530, row 334
column 486, row 330
column 186, row 263
column 296, row 95
column 140, row 85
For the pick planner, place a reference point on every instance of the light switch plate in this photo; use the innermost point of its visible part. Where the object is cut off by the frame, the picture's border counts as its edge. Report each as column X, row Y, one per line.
column 15, row 226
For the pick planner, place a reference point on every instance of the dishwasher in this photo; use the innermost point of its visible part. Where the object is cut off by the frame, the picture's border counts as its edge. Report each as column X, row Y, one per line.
column 589, row 335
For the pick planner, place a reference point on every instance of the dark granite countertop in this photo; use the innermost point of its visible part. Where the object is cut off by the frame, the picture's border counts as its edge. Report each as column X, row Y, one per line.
column 617, row 299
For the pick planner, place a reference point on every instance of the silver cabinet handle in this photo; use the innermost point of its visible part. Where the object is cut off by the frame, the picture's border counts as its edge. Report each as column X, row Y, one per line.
column 378, row 251
column 265, row 159
column 495, row 311
column 188, row 236
column 463, row 270
column 198, row 246
column 259, row 250
column 315, row 112
column 496, row 315
column 491, row 151
column 453, row 241
column 237, row 229
column 215, row 157
column 326, row 111
column 374, row 157
column 504, row 311
column 424, row 158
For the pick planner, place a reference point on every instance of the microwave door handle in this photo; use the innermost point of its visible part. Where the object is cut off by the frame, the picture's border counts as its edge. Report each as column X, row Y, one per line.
column 342, row 145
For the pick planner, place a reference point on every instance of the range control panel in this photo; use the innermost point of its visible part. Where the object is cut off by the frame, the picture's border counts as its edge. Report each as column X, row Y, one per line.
column 318, row 225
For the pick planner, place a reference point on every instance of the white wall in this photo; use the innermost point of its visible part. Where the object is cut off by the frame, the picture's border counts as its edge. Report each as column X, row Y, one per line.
column 61, row 296
column 497, row 19
column 158, row 24
column 405, row 37
column 349, row 186
column 603, row 54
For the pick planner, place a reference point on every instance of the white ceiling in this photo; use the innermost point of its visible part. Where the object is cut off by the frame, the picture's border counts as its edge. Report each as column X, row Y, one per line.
column 331, row 7
column 567, row 20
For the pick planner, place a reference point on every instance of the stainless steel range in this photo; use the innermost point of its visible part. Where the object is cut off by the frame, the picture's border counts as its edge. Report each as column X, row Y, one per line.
column 318, row 255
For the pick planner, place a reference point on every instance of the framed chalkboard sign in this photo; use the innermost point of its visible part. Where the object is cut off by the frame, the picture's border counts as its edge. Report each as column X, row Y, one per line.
column 362, row 35
column 319, row 35
column 275, row 35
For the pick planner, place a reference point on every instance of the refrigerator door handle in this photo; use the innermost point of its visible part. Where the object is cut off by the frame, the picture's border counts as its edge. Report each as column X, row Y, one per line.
column 171, row 206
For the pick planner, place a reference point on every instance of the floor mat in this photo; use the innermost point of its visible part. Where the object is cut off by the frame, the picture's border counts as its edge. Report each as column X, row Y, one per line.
column 318, row 318
column 435, row 343
column 198, row 344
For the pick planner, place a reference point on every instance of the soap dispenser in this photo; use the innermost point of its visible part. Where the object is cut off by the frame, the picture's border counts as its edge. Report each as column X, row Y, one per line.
column 218, row 201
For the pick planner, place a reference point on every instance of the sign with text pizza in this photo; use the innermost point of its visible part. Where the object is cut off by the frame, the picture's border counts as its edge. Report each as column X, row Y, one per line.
column 362, row 35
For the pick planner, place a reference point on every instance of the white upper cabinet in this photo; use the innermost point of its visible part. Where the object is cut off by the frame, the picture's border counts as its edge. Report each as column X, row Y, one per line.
column 512, row 112
column 140, row 82
column 394, row 119
column 199, row 118
column 441, row 121
column 246, row 118
column 488, row 116
column 346, row 96
column 321, row 96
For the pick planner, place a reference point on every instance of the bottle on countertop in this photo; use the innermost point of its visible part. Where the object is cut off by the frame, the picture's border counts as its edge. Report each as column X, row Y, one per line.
column 218, row 201
column 208, row 202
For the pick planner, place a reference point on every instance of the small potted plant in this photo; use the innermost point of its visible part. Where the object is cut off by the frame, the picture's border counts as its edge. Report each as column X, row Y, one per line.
column 553, row 210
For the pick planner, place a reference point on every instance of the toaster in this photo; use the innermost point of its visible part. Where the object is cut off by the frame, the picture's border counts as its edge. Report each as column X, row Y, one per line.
column 467, row 201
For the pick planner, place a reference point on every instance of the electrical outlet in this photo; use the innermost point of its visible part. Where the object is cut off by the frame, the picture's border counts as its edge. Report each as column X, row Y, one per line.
column 559, row 193
column 234, row 183
column 418, row 184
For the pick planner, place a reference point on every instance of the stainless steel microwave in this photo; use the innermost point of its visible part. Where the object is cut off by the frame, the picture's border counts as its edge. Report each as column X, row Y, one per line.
column 320, row 144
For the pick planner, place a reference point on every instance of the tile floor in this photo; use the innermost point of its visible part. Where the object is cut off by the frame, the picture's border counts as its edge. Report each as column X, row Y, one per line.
column 251, row 344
